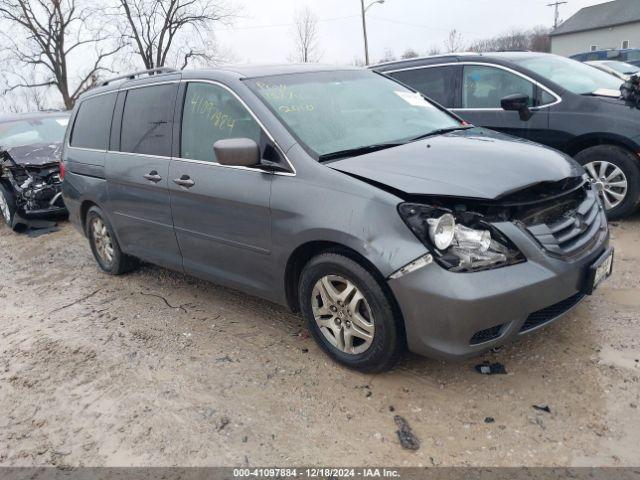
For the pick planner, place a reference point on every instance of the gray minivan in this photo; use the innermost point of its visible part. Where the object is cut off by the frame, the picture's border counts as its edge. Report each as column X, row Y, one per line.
column 384, row 219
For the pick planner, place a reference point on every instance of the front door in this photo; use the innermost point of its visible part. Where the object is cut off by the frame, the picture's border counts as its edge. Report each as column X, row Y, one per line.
column 137, row 171
column 483, row 88
column 221, row 214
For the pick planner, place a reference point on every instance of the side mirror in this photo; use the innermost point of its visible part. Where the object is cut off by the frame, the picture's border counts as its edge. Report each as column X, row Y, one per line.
column 237, row 152
column 517, row 102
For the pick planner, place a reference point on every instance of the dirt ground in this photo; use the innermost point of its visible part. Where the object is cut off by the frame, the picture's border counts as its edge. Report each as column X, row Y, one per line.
column 156, row 368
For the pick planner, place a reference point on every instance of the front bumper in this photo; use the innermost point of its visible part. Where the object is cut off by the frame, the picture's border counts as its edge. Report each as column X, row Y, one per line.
column 453, row 315
column 52, row 211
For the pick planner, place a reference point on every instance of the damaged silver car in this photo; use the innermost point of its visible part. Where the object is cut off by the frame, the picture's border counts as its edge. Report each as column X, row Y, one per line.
column 30, row 177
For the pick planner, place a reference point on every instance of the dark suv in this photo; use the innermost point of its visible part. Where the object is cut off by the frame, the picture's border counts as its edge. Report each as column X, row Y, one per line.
column 544, row 98
column 342, row 194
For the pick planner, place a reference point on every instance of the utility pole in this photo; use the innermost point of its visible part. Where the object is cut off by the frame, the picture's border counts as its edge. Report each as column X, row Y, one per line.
column 364, row 27
column 557, row 16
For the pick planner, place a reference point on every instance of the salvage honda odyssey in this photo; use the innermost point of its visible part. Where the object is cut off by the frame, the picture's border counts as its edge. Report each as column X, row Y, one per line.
column 384, row 219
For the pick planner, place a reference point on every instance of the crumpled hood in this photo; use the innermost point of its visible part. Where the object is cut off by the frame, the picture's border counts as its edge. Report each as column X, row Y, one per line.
column 37, row 154
column 474, row 163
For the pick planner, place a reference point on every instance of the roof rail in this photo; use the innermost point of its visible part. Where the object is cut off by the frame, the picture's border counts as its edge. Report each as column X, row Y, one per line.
column 425, row 57
column 131, row 76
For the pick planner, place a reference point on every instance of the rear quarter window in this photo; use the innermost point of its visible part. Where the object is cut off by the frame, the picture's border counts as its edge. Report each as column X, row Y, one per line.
column 92, row 123
column 437, row 83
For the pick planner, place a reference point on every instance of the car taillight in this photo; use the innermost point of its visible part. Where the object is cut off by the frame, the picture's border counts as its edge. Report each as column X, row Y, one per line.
column 62, row 170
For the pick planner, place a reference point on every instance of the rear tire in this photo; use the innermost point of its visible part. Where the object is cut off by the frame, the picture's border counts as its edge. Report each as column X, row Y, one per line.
column 7, row 205
column 344, row 305
column 104, row 244
column 619, row 166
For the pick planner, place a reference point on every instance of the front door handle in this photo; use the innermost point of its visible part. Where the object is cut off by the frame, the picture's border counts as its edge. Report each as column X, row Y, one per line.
column 184, row 181
column 153, row 176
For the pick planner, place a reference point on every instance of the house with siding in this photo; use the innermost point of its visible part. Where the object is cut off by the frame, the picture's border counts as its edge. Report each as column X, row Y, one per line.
column 611, row 25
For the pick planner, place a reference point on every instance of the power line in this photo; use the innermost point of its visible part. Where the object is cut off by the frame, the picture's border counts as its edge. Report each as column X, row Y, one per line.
column 416, row 25
column 557, row 15
column 281, row 25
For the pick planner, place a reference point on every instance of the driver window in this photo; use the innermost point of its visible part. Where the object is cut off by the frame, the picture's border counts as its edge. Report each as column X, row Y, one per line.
column 485, row 87
column 212, row 113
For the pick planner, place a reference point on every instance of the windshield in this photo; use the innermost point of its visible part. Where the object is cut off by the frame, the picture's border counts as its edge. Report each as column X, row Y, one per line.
column 622, row 67
column 29, row 132
column 570, row 74
column 338, row 111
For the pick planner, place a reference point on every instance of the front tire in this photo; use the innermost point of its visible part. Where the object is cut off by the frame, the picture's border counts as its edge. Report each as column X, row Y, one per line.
column 615, row 174
column 7, row 205
column 104, row 244
column 349, row 314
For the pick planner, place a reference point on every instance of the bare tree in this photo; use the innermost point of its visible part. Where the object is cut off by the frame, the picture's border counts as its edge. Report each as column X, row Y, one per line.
column 409, row 53
column 389, row 56
column 540, row 40
column 305, row 35
column 537, row 40
column 434, row 50
column 43, row 38
column 174, row 32
column 25, row 100
column 453, row 43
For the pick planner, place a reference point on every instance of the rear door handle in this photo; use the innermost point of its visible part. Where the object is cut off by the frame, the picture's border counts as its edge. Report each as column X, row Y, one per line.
column 184, row 181
column 153, row 176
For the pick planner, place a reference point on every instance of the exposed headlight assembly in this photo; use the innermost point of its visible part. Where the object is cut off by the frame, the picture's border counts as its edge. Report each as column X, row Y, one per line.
column 456, row 246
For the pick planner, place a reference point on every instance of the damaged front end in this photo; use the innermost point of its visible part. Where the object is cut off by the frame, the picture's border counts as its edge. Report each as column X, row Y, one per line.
column 566, row 219
column 31, row 188
column 631, row 92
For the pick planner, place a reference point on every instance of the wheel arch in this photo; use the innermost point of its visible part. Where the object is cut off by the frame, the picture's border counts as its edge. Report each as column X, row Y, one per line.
column 84, row 210
column 305, row 252
column 583, row 142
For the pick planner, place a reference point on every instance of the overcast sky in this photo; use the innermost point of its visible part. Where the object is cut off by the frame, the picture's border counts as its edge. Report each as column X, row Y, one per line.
column 263, row 33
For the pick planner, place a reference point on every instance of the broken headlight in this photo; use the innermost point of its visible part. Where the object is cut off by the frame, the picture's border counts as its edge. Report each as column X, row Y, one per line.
column 459, row 244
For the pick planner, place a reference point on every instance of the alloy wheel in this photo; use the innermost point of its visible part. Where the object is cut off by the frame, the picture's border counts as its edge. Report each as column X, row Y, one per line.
column 609, row 181
column 343, row 314
column 102, row 240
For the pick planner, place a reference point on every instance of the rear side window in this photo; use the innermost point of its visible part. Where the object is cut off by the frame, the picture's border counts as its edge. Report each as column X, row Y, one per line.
column 485, row 87
column 147, row 120
column 437, row 83
column 212, row 113
column 93, row 123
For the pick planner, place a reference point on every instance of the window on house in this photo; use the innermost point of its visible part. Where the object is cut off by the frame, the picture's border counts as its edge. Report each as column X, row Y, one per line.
column 594, row 48
column 625, row 44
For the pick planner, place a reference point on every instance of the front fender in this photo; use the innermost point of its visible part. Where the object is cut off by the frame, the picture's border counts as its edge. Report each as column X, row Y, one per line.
column 362, row 218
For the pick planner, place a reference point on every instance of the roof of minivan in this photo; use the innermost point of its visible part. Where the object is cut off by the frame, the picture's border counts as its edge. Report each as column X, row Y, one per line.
column 32, row 115
column 249, row 71
column 237, row 72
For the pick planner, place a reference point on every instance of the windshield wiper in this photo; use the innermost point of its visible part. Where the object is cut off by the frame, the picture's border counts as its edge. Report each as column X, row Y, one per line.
column 441, row 131
column 354, row 152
